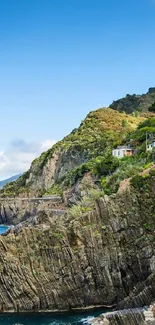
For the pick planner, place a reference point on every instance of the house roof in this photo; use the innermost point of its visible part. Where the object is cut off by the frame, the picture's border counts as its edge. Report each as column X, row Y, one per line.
column 124, row 147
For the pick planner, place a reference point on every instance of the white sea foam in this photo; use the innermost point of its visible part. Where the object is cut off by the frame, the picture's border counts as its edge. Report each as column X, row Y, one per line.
column 86, row 320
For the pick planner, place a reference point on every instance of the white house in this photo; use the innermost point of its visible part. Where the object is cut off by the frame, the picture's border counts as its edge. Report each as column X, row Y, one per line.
column 122, row 151
column 150, row 146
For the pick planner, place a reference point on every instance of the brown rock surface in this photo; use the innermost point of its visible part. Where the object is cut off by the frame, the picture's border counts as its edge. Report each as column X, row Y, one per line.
column 103, row 257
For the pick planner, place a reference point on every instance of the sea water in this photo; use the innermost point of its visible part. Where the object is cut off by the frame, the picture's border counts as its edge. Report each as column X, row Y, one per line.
column 3, row 229
column 49, row 319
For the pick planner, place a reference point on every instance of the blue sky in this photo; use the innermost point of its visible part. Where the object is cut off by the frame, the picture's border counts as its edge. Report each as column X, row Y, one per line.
column 59, row 59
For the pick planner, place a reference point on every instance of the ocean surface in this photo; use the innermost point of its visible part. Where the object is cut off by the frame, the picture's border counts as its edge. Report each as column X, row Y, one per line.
column 3, row 229
column 48, row 319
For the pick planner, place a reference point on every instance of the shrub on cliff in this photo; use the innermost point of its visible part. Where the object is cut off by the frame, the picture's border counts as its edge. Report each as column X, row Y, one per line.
column 152, row 108
column 86, row 204
column 128, row 167
column 140, row 181
column 105, row 165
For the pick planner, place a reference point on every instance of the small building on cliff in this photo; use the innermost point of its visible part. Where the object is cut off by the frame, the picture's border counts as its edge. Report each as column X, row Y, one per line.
column 122, row 151
column 150, row 146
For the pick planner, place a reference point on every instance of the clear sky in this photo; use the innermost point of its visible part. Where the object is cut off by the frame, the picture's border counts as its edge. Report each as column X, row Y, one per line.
column 59, row 59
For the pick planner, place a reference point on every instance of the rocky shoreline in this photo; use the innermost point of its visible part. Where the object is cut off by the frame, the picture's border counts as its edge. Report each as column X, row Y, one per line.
column 135, row 316
column 102, row 257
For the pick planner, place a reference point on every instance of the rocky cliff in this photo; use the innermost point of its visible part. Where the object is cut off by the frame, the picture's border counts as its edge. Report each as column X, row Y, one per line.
column 126, row 317
column 132, row 103
column 103, row 256
column 100, row 250
column 14, row 211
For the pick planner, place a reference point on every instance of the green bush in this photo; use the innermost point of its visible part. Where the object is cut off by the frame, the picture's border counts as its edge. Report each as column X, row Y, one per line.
column 128, row 167
column 58, row 235
column 148, row 226
column 139, row 181
column 75, row 211
column 124, row 123
column 135, row 114
column 152, row 108
column 56, row 189
column 152, row 172
column 87, row 203
column 105, row 165
column 110, row 184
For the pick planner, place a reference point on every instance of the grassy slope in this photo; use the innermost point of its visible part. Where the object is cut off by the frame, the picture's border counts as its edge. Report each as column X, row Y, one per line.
column 99, row 124
column 98, row 133
column 129, row 167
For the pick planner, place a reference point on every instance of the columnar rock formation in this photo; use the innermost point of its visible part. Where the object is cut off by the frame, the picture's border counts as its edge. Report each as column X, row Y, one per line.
column 101, row 257
column 126, row 317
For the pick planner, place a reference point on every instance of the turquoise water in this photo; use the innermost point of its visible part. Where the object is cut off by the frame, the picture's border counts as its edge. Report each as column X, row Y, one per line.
column 48, row 319
column 3, row 229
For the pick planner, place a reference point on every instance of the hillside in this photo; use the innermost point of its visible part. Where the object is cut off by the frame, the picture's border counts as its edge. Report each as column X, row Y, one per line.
column 8, row 180
column 98, row 133
column 132, row 103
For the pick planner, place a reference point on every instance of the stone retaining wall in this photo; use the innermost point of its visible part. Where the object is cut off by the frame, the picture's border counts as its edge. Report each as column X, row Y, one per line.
column 15, row 210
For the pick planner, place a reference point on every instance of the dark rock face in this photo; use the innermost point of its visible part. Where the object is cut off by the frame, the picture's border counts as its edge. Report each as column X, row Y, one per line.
column 55, row 168
column 102, row 257
column 132, row 103
column 152, row 90
column 13, row 211
column 128, row 104
column 79, row 190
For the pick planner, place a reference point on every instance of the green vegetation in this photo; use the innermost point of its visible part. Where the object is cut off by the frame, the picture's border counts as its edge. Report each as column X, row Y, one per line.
column 139, row 136
column 106, row 170
column 58, row 235
column 15, row 188
column 99, row 166
column 148, row 226
column 105, row 165
column 152, row 108
column 110, row 171
column 56, row 189
column 140, row 181
column 93, row 140
column 124, row 123
column 128, row 167
column 104, row 227
column 86, row 204
column 135, row 114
